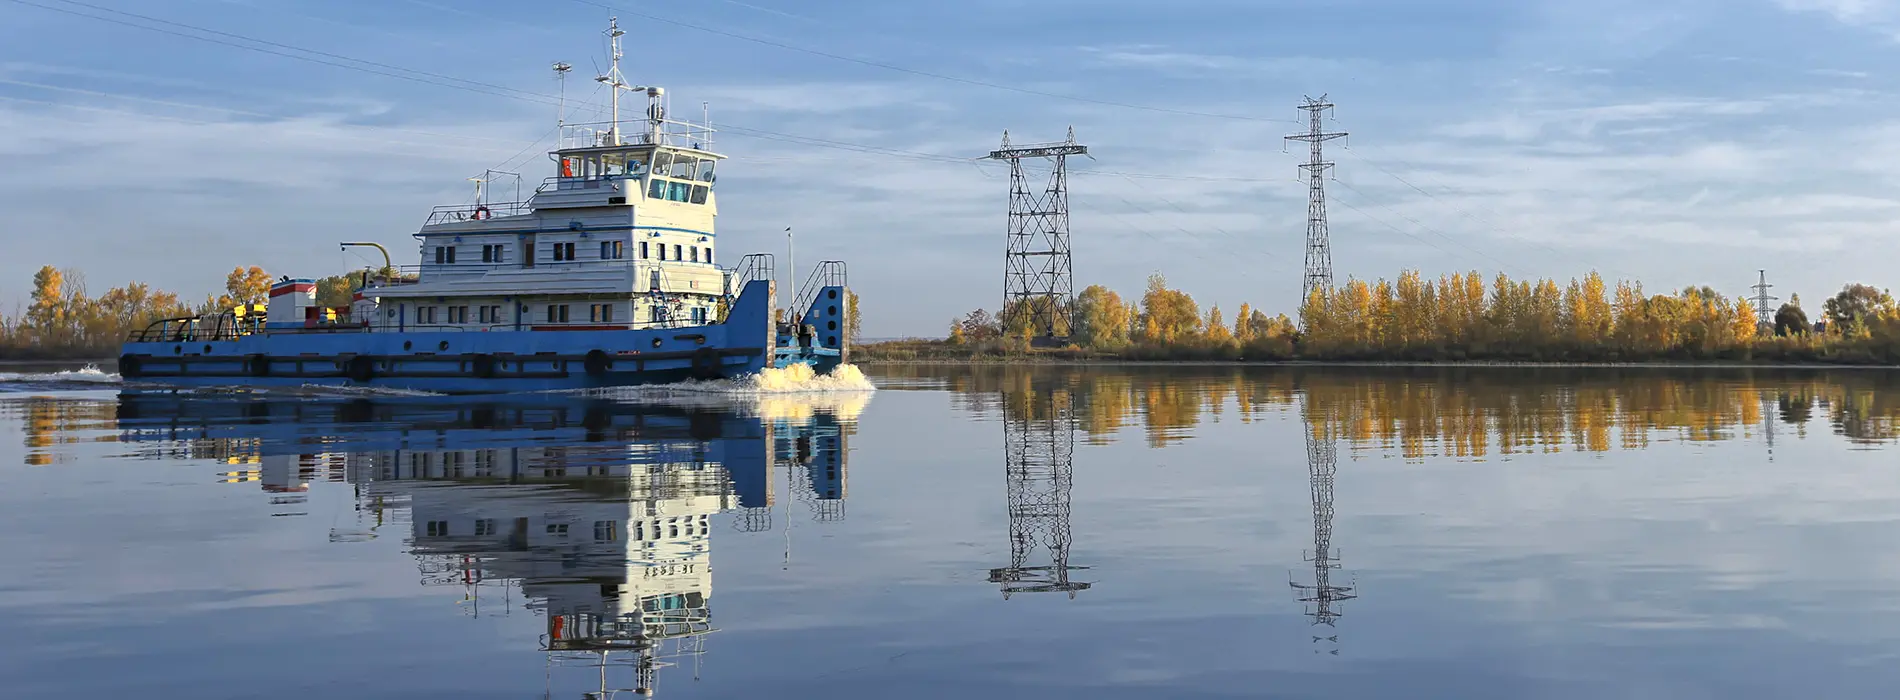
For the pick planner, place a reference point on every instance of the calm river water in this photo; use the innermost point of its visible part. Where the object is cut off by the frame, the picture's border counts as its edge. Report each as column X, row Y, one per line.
column 964, row 532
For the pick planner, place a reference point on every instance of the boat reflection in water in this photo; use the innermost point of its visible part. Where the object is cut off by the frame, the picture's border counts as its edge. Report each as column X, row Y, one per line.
column 599, row 512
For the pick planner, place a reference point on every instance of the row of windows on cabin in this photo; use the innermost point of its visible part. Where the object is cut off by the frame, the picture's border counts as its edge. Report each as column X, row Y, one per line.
column 567, row 252
column 550, row 313
column 634, row 164
column 676, row 191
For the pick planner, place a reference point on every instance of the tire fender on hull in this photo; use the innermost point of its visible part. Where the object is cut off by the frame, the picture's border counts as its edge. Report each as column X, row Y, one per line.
column 707, row 364
column 361, row 368
column 598, row 362
column 129, row 367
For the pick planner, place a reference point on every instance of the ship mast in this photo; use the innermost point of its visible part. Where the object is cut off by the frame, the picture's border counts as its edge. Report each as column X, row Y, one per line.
column 613, row 79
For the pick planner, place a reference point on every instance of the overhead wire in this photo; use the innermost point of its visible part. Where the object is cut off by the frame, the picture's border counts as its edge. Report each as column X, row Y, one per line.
column 1468, row 215
column 399, row 72
column 922, row 73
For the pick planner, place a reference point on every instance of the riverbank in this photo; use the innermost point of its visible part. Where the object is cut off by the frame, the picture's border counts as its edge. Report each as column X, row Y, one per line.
column 1772, row 353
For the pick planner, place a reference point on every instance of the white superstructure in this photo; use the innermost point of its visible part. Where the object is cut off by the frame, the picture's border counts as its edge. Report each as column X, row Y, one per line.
column 622, row 236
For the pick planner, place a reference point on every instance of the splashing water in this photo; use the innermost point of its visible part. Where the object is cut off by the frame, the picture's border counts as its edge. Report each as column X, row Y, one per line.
column 90, row 374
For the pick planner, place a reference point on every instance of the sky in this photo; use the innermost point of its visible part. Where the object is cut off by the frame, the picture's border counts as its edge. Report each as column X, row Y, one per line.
column 1672, row 142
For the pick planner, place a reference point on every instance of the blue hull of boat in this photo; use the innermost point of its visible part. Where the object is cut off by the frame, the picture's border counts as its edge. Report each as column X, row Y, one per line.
column 495, row 361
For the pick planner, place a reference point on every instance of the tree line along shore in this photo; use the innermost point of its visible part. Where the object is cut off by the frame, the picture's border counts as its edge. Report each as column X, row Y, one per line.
column 1456, row 318
column 63, row 320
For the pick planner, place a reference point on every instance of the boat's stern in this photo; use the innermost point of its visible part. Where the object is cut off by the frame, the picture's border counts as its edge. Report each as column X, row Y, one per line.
column 819, row 336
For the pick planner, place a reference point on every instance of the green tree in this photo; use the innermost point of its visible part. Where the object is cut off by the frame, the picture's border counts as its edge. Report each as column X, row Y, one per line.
column 1850, row 310
column 1790, row 320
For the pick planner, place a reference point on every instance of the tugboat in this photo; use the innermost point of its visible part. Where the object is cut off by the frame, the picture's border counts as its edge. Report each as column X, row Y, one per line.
column 606, row 276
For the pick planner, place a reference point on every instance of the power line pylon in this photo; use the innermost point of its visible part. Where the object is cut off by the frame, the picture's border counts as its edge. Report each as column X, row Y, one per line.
column 1322, row 596
column 1038, row 280
column 1039, row 463
column 1319, row 246
column 1764, row 314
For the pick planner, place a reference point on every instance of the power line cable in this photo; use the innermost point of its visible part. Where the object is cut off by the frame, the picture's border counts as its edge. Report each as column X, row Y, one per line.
column 923, row 73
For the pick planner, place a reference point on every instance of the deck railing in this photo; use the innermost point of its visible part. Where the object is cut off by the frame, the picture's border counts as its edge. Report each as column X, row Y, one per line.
column 830, row 273
column 458, row 213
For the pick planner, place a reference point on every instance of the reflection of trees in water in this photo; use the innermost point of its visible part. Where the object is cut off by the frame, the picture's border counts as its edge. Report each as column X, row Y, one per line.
column 48, row 422
column 1460, row 412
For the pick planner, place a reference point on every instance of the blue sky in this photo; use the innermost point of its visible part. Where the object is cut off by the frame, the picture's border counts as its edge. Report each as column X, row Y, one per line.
column 1675, row 142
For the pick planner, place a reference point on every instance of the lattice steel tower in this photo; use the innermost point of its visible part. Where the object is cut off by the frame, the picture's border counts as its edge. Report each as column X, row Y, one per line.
column 1764, row 314
column 1038, row 281
column 1039, row 462
column 1322, row 597
column 1319, row 246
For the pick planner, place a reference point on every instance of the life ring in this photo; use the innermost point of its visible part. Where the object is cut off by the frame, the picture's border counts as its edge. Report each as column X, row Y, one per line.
column 129, row 367
column 361, row 368
column 258, row 365
column 481, row 212
column 483, row 365
column 598, row 363
column 707, row 364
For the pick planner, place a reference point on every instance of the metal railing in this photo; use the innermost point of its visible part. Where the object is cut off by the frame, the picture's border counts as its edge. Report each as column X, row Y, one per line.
column 830, row 273
column 637, row 132
column 757, row 266
column 458, row 213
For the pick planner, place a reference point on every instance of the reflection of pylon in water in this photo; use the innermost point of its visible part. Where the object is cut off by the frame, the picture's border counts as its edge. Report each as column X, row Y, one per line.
column 1039, row 458
column 1322, row 597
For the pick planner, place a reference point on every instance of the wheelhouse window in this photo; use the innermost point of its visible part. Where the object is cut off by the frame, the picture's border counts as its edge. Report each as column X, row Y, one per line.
column 694, row 251
column 698, row 195
column 643, row 250
column 676, row 252
column 682, row 167
column 709, row 255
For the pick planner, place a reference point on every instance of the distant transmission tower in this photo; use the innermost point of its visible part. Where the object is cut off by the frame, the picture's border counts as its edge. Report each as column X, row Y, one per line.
column 1038, row 282
column 1039, row 463
column 1322, row 596
column 1319, row 246
column 1764, row 314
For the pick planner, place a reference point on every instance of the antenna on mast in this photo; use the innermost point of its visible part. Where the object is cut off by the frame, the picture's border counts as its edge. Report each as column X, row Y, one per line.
column 560, row 75
column 613, row 79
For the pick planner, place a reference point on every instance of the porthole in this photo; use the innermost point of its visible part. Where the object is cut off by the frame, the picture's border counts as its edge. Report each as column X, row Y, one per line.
column 832, row 294
column 656, row 343
column 207, row 348
column 831, row 311
column 178, row 349
column 444, row 345
column 831, row 325
column 406, row 345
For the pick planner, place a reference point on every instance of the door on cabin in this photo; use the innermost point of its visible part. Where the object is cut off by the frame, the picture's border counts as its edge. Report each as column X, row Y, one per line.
column 527, row 250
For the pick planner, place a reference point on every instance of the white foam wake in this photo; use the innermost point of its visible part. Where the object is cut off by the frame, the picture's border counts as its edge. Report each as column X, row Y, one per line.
column 90, row 374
